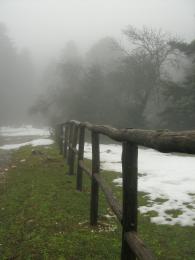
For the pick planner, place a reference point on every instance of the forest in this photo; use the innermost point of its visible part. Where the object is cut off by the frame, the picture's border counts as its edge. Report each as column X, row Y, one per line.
column 17, row 79
column 148, row 83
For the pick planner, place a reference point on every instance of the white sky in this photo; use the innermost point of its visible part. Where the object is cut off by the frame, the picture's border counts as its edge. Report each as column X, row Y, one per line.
column 44, row 26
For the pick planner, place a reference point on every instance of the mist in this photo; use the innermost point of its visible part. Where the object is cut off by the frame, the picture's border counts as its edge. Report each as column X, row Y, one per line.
column 107, row 88
column 56, row 54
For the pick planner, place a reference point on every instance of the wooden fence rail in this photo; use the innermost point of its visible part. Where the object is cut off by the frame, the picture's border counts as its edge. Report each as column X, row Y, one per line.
column 72, row 132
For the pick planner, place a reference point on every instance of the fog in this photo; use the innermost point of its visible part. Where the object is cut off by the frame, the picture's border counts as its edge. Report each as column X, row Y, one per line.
column 44, row 26
column 39, row 31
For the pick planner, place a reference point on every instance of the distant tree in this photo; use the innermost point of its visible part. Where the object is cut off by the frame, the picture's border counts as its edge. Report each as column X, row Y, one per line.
column 8, row 75
column 150, row 52
column 90, row 101
column 99, row 94
column 8, row 59
column 152, row 44
column 110, row 85
column 180, row 112
column 62, row 82
column 106, row 53
column 16, row 80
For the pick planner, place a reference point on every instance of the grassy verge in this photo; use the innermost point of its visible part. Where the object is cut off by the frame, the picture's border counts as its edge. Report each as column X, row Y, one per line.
column 43, row 217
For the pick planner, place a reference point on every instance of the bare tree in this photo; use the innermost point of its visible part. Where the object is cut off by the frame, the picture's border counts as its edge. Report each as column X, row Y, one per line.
column 153, row 45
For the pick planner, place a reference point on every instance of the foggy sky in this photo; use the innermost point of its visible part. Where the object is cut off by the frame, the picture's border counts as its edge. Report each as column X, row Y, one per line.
column 44, row 26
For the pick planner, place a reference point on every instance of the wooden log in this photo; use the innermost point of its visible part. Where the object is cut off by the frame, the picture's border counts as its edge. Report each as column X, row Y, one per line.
column 74, row 143
column 80, row 158
column 129, row 174
column 74, row 150
column 111, row 199
column 85, row 169
column 138, row 246
column 161, row 140
column 94, row 183
column 71, row 134
column 70, row 142
column 61, row 138
column 66, row 134
column 57, row 134
column 67, row 141
column 75, row 122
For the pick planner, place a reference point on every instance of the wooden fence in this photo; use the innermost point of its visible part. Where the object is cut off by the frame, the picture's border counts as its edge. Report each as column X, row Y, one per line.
column 72, row 132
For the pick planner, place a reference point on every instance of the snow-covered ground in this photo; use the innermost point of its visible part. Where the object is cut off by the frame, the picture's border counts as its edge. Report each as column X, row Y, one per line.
column 36, row 137
column 35, row 142
column 24, row 131
column 168, row 179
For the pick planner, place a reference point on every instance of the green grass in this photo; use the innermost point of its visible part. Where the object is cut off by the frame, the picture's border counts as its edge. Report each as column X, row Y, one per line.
column 42, row 216
column 174, row 213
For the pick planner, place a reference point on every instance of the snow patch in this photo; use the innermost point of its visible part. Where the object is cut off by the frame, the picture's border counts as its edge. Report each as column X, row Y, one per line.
column 24, row 131
column 167, row 179
column 36, row 142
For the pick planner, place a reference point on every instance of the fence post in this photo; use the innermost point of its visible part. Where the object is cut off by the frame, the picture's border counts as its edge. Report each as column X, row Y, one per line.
column 129, row 220
column 94, row 184
column 61, row 138
column 73, row 144
column 66, row 134
column 57, row 132
column 80, row 157
column 70, row 125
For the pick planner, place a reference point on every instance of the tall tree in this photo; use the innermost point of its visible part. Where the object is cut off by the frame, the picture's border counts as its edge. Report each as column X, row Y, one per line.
column 8, row 66
column 62, row 83
column 149, row 53
column 179, row 113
